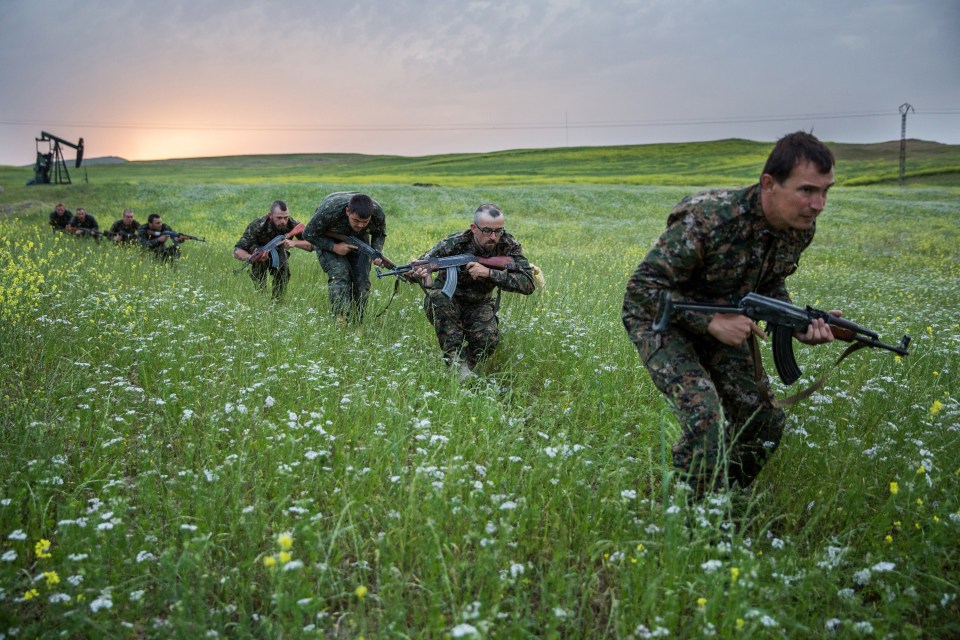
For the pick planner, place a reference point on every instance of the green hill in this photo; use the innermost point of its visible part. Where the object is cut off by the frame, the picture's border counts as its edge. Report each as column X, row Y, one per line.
column 718, row 163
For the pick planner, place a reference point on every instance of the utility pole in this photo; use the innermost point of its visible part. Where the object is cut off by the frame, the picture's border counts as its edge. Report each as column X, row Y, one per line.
column 905, row 108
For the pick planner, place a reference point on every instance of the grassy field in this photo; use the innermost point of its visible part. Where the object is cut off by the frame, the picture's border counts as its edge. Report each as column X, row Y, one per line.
column 183, row 459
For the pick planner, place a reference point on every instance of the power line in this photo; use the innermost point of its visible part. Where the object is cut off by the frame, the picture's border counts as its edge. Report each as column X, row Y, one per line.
column 491, row 126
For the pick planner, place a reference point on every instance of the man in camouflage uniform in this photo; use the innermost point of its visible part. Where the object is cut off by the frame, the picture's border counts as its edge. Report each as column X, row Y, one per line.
column 466, row 324
column 261, row 231
column 82, row 223
column 124, row 229
column 60, row 217
column 148, row 239
column 347, row 269
column 719, row 246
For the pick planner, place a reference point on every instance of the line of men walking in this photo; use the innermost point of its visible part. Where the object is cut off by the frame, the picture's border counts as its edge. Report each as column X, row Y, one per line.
column 465, row 320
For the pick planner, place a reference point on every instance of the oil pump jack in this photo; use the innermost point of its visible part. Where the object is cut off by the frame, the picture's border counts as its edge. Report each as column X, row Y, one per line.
column 51, row 161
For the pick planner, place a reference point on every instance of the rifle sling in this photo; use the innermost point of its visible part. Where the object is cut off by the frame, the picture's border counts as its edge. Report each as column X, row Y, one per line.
column 801, row 395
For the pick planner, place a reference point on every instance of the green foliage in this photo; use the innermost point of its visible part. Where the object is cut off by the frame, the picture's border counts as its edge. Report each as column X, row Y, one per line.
column 203, row 462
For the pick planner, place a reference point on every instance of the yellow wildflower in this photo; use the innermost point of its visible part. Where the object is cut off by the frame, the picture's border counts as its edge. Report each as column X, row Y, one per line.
column 701, row 602
column 285, row 540
column 30, row 594
column 894, row 488
column 922, row 470
column 935, row 407
column 285, row 557
column 269, row 561
column 361, row 592
column 52, row 578
column 888, row 539
column 740, row 623
column 42, row 548
column 734, row 574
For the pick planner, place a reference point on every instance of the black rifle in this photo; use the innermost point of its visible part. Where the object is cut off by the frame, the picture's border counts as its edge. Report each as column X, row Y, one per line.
column 271, row 248
column 451, row 264
column 782, row 320
column 174, row 235
column 123, row 236
column 363, row 247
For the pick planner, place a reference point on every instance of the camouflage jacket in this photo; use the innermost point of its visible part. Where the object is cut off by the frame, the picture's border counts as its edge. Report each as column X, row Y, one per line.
column 331, row 217
column 125, row 232
column 261, row 231
column 718, row 246
column 149, row 241
column 517, row 280
column 88, row 223
column 60, row 222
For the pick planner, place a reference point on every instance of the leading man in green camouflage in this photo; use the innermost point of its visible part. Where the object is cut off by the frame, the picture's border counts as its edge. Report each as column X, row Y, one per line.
column 348, row 270
column 719, row 246
column 466, row 324
column 257, row 234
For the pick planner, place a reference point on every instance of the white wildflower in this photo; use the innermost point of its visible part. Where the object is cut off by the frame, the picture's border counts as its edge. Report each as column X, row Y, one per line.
column 711, row 565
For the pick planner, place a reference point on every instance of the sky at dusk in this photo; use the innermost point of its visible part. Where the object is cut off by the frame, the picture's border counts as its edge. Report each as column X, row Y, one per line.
column 150, row 80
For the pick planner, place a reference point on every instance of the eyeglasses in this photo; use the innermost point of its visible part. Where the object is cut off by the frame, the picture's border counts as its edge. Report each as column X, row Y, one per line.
column 487, row 231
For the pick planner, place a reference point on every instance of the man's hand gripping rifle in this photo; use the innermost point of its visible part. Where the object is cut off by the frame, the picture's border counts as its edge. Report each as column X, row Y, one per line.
column 450, row 264
column 270, row 249
column 782, row 320
column 364, row 248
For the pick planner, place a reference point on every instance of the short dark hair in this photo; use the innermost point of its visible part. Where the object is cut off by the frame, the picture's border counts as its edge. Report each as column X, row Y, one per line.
column 152, row 217
column 361, row 204
column 488, row 210
column 794, row 148
column 278, row 204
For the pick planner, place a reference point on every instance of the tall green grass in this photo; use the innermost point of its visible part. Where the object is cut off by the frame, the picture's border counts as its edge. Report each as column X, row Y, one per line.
column 203, row 463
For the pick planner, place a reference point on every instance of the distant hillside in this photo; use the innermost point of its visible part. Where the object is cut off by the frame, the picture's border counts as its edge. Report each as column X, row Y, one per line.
column 729, row 162
column 93, row 162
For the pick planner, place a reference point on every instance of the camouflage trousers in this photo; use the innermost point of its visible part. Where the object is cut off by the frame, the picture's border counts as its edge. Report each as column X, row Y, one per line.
column 728, row 429
column 466, row 331
column 281, row 276
column 348, row 283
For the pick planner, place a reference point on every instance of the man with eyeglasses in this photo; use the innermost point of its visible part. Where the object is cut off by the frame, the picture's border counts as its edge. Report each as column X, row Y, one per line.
column 124, row 229
column 466, row 324
column 347, row 269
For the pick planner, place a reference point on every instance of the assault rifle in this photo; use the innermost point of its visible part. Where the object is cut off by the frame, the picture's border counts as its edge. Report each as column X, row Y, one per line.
column 782, row 320
column 363, row 247
column 451, row 264
column 271, row 249
column 174, row 235
column 122, row 236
